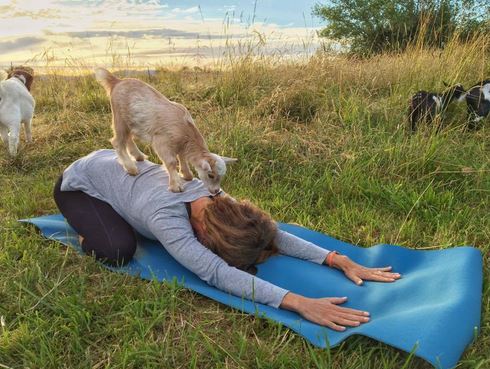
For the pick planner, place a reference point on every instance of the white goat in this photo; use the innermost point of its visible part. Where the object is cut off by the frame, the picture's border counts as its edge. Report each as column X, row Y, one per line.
column 16, row 107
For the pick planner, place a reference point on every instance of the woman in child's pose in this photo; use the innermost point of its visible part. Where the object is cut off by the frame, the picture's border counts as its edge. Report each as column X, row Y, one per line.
column 216, row 237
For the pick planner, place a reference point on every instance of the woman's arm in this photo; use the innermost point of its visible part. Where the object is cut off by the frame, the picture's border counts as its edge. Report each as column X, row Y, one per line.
column 176, row 235
column 291, row 245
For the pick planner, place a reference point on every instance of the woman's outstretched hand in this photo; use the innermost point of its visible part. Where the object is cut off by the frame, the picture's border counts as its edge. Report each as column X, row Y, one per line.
column 358, row 273
column 325, row 311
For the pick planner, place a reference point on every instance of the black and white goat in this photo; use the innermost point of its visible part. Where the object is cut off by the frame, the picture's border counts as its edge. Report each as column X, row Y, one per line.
column 426, row 106
column 478, row 103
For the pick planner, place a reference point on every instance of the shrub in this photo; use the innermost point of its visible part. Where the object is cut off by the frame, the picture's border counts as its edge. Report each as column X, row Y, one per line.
column 375, row 26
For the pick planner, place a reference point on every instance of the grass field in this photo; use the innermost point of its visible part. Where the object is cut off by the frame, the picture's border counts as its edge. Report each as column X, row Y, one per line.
column 321, row 143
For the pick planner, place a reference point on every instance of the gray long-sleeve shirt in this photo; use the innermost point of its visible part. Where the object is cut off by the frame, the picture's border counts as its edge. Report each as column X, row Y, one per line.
column 145, row 202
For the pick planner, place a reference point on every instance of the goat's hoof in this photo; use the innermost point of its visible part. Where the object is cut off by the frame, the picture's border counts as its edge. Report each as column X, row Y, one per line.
column 188, row 177
column 132, row 171
column 176, row 188
column 141, row 157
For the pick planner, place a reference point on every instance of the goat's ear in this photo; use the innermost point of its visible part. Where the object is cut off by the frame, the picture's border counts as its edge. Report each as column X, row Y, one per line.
column 228, row 160
column 205, row 165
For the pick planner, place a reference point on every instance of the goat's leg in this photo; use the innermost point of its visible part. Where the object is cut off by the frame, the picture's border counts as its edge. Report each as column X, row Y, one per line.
column 14, row 139
column 413, row 121
column 184, row 168
column 169, row 158
column 482, row 112
column 4, row 134
column 119, row 142
column 28, row 129
column 474, row 124
column 473, row 119
column 134, row 151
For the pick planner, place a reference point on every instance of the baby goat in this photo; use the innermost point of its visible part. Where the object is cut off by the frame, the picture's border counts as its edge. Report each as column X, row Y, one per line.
column 425, row 106
column 478, row 103
column 138, row 110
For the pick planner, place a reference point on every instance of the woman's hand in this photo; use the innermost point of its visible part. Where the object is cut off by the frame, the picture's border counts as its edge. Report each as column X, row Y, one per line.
column 325, row 311
column 357, row 273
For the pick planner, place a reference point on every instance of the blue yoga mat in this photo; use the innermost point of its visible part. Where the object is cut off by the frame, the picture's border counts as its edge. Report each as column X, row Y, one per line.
column 433, row 311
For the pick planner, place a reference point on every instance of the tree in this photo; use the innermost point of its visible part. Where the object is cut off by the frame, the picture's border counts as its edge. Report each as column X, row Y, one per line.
column 374, row 26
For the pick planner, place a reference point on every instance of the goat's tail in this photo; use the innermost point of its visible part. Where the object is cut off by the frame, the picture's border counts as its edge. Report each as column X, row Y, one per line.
column 106, row 79
column 3, row 75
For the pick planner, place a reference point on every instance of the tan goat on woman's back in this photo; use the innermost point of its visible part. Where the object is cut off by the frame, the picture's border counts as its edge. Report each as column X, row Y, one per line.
column 139, row 111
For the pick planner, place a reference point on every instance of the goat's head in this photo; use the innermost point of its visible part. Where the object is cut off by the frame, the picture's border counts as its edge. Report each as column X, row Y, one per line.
column 23, row 75
column 455, row 92
column 211, row 169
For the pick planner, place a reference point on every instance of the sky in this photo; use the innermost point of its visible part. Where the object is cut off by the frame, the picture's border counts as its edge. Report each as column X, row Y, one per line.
column 151, row 32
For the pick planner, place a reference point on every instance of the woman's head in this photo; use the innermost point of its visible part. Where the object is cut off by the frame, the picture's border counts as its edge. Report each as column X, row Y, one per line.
column 239, row 232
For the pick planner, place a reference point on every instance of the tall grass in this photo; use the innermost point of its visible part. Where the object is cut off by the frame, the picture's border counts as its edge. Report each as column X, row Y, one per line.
column 322, row 143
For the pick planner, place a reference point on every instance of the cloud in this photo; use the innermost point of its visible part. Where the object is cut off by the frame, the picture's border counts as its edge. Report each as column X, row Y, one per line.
column 157, row 32
column 95, row 30
column 39, row 14
column 194, row 9
column 34, row 9
column 20, row 43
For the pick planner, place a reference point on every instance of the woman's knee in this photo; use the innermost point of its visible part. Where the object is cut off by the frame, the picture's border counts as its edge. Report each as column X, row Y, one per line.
column 118, row 253
column 124, row 252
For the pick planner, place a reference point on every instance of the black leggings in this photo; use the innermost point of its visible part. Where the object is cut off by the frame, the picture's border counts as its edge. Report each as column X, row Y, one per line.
column 106, row 235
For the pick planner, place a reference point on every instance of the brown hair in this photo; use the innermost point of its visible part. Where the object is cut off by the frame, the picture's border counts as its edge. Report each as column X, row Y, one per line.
column 24, row 73
column 239, row 232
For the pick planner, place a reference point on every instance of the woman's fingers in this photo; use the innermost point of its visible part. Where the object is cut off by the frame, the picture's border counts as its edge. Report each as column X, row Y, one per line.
column 378, row 277
column 336, row 300
column 352, row 311
column 334, row 326
column 340, row 321
column 375, row 274
column 381, row 276
column 344, row 311
column 383, row 269
column 388, row 273
column 355, row 317
column 384, row 273
column 329, row 312
column 343, row 319
column 354, row 278
column 347, row 322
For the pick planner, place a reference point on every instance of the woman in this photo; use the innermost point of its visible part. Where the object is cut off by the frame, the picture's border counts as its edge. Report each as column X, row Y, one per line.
column 217, row 238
